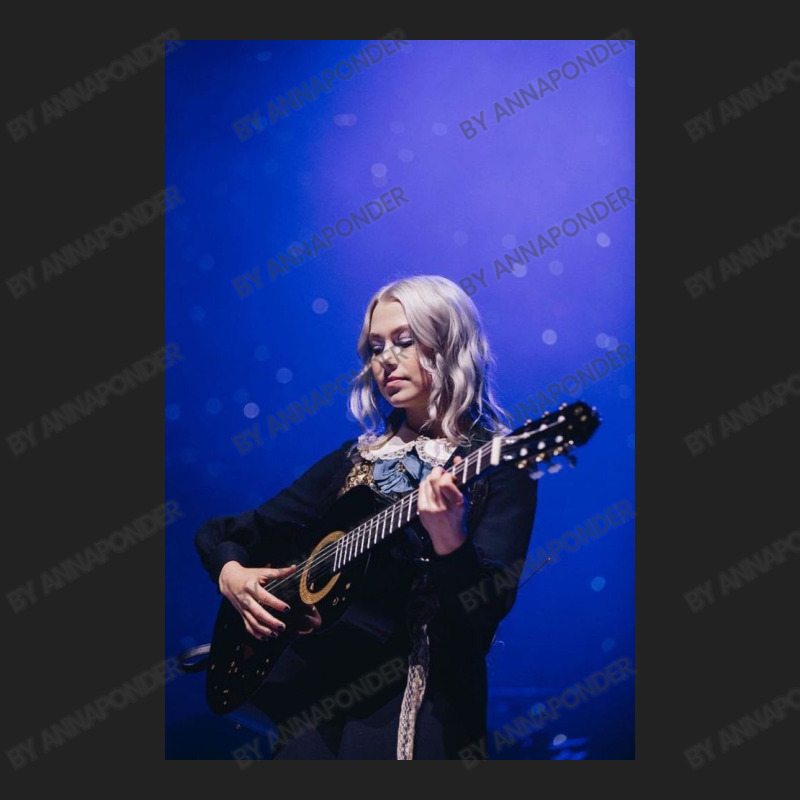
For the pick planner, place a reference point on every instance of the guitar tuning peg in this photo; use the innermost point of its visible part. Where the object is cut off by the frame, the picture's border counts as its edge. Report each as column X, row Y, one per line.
column 535, row 473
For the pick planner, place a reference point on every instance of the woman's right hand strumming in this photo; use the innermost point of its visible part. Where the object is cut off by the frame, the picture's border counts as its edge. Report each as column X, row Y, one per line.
column 243, row 587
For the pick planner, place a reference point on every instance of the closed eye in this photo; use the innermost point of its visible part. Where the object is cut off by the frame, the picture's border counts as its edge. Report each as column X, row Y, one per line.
column 375, row 349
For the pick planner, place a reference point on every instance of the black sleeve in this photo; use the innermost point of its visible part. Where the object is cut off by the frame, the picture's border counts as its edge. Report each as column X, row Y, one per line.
column 476, row 585
column 233, row 538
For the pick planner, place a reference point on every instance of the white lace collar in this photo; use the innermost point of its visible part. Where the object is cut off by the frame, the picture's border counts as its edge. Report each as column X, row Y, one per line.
column 434, row 451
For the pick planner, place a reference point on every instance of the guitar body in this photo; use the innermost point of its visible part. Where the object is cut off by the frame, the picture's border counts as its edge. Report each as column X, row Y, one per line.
column 238, row 662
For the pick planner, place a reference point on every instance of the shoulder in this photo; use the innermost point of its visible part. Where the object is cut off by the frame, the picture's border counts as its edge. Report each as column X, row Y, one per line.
column 338, row 452
column 330, row 462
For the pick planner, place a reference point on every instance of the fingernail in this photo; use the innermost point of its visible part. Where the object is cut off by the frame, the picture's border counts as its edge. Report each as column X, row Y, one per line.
column 288, row 608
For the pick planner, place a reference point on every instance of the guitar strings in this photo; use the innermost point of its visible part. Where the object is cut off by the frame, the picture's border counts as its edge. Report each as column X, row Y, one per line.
column 367, row 527
column 320, row 560
column 365, row 536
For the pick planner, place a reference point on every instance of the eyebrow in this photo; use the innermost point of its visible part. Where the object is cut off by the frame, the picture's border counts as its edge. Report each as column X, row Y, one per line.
column 399, row 328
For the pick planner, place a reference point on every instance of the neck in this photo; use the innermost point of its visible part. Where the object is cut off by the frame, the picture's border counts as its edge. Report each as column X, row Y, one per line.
column 414, row 426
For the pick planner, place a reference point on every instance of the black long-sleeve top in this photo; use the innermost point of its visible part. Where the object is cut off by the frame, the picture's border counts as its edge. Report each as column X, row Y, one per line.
column 499, row 522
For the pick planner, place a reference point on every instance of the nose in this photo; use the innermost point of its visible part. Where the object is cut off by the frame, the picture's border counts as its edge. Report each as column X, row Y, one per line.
column 382, row 357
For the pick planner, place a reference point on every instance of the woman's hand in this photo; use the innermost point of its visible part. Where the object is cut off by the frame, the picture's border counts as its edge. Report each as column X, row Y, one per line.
column 243, row 588
column 441, row 509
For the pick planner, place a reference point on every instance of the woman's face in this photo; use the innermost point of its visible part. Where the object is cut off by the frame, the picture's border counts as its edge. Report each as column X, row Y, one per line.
column 395, row 355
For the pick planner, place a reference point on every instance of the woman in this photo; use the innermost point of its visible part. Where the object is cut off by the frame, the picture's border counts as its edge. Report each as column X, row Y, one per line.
column 424, row 401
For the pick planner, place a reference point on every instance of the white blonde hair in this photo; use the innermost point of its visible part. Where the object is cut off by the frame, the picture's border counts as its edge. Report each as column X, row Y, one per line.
column 444, row 321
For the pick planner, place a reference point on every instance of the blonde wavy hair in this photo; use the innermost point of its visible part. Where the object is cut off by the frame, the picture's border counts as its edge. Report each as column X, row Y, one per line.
column 445, row 322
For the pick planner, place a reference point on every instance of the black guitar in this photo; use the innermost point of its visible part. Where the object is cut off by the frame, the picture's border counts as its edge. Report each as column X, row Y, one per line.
column 332, row 555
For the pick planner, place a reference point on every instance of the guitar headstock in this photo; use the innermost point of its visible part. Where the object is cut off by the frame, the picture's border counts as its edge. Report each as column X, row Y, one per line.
column 535, row 444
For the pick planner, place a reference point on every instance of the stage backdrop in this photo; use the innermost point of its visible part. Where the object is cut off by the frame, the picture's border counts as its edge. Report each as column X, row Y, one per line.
column 304, row 175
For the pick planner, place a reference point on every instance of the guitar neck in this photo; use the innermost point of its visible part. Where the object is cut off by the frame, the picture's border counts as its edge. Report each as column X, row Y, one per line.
column 380, row 526
column 530, row 446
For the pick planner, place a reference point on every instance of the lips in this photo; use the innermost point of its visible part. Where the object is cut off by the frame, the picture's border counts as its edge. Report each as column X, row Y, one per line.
column 392, row 381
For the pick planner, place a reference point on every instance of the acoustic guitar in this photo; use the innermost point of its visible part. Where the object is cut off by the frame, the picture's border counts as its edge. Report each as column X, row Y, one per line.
column 333, row 555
